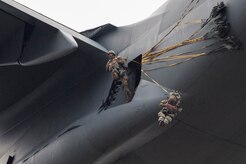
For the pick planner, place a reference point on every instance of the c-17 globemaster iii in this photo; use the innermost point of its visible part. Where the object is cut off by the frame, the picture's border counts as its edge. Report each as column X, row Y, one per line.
column 60, row 106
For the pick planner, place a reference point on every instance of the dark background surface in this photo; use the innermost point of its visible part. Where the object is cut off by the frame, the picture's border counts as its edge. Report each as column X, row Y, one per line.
column 49, row 106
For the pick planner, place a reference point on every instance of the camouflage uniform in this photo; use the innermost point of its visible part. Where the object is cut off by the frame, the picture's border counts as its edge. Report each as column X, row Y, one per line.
column 118, row 68
column 170, row 107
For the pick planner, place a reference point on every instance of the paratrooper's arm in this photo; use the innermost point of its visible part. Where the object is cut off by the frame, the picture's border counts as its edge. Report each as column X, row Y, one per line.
column 122, row 61
column 107, row 67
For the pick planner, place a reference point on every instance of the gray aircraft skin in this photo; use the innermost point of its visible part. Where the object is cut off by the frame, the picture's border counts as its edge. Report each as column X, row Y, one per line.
column 53, row 81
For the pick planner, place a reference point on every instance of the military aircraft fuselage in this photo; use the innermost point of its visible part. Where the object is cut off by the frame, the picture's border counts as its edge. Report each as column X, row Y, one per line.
column 53, row 81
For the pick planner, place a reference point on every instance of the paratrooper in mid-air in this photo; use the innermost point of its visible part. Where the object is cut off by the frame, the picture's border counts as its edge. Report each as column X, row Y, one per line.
column 118, row 67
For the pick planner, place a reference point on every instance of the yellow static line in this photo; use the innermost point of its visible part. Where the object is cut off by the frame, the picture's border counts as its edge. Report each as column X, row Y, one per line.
column 171, row 58
column 151, row 56
column 155, row 82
